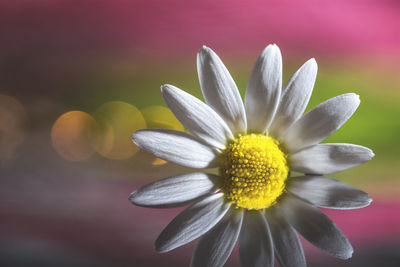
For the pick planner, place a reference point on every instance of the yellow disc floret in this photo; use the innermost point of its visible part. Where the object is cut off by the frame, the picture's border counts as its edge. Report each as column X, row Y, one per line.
column 254, row 171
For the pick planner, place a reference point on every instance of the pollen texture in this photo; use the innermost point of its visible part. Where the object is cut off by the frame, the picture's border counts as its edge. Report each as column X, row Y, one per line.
column 254, row 171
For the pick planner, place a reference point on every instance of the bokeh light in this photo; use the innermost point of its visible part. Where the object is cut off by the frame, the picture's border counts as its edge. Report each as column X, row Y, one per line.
column 117, row 121
column 13, row 126
column 161, row 117
column 72, row 135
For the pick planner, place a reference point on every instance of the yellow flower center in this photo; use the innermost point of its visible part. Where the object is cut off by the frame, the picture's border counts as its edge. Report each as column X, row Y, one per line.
column 254, row 171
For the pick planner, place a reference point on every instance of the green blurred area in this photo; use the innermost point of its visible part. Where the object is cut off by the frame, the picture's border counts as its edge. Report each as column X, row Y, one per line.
column 375, row 124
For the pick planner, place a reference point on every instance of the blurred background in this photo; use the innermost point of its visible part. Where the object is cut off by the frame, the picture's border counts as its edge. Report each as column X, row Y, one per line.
column 78, row 77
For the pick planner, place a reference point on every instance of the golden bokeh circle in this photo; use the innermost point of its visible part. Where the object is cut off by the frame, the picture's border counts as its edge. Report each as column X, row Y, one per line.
column 161, row 117
column 72, row 135
column 117, row 122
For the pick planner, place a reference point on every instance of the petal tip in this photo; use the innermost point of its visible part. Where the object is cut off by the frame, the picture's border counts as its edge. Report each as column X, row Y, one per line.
column 162, row 87
column 369, row 200
column 352, row 99
column 311, row 66
column 365, row 202
column 272, row 48
column 346, row 253
column 135, row 137
column 204, row 50
column 354, row 95
column 347, row 256
column 349, row 253
column 371, row 154
column 274, row 45
column 357, row 99
column 132, row 197
column 312, row 61
column 160, row 247
column 157, row 248
column 136, row 198
column 165, row 88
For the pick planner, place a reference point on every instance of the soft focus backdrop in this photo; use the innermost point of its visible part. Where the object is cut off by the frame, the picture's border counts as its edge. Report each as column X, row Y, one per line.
column 78, row 77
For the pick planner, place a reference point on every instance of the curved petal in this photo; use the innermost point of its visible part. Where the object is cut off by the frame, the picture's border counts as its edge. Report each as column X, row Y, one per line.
column 215, row 247
column 320, row 122
column 192, row 223
column 177, row 147
column 264, row 89
column 295, row 97
column 220, row 91
column 197, row 117
column 329, row 158
column 175, row 191
column 328, row 193
column 288, row 249
column 316, row 227
column 255, row 242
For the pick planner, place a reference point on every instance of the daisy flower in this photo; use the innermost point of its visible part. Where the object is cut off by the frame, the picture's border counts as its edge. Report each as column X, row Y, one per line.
column 256, row 146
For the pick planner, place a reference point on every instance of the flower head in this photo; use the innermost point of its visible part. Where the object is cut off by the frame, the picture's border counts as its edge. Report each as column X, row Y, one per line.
column 255, row 146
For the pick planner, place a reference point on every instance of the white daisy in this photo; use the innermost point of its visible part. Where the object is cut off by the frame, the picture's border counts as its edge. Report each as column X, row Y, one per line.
column 255, row 146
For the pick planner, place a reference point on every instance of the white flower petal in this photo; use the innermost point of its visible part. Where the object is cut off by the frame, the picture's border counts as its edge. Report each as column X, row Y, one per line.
column 177, row 147
column 197, row 117
column 316, row 227
column 294, row 97
column 215, row 247
column 328, row 193
column 264, row 89
column 192, row 223
column 329, row 158
column 175, row 191
column 288, row 249
column 255, row 242
column 320, row 122
column 219, row 90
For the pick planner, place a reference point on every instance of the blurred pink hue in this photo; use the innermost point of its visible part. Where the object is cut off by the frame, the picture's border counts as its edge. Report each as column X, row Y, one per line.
column 379, row 221
column 95, row 218
column 344, row 26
